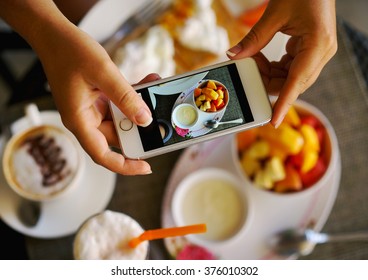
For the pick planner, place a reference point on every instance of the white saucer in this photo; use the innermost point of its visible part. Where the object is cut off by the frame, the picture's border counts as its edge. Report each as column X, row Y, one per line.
column 270, row 215
column 61, row 217
column 198, row 129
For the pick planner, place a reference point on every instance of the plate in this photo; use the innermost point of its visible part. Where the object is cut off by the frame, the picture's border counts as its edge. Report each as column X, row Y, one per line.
column 269, row 215
column 106, row 15
column 61, row 217
column 198, row 129
column 177, row 86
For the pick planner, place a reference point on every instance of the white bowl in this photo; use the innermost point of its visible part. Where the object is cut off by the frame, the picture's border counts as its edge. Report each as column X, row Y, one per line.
column 226, row 96
column 332, row 157
column 184, row 115
column 217, row 198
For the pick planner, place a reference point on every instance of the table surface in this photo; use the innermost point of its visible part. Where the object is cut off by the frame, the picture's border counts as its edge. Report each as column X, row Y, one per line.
column 340, row 93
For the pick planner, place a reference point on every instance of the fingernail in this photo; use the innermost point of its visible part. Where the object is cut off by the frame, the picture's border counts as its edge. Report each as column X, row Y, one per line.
column 234, row 50
column 277, row 124
column 143, row 117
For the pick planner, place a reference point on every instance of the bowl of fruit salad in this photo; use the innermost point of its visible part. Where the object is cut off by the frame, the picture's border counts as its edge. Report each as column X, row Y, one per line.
column 211, row 96
column 299, row 156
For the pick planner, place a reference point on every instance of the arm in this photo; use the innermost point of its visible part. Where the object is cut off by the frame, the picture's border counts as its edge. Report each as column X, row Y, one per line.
column 313, row 42
column 82, row 78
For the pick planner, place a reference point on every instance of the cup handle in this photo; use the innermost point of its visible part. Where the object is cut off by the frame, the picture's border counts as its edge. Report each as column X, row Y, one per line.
column 33, row 114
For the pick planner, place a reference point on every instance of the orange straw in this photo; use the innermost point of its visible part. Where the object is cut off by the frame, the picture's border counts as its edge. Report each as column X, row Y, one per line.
column 167, row 232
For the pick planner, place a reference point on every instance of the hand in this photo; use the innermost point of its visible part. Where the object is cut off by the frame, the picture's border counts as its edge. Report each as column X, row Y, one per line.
column 82, row 86
column 313, row 42
column 82, row 78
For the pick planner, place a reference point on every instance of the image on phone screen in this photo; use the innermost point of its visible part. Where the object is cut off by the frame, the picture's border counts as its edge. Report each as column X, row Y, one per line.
column 217, row 94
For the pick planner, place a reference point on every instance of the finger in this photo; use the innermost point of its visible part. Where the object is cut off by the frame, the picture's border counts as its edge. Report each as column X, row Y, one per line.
column 150, row 78
column 122, row 94
column 303, row 72
column 95, row 144
column 108, row 130
column 257, row 38
column 273, row 73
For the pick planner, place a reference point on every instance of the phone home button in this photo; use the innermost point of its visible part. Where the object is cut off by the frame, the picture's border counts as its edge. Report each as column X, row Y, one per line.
column 126, row 124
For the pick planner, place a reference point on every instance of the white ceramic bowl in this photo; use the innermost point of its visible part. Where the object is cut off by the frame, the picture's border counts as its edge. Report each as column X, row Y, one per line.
column 184, row 115
column 331, row 154
column 226, row 96
column 217, row 198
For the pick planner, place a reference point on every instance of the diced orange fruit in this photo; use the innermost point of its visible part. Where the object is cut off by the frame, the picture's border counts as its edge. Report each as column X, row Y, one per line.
column 245, row 138
column 211, row 84
column 220, row 93
column 291, row 182
column 285, row 136
column 259, row 150
column 292, row 117
column 249, row 165
column 263, row 180
column 310, row 158
column 275, row 169
column 277, row 151
column 197, row 92
column 311, row 140
column 213, row 108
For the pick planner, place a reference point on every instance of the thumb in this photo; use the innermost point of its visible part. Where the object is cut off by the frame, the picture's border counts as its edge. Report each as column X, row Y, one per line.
column 122, row 94
column 257, row 38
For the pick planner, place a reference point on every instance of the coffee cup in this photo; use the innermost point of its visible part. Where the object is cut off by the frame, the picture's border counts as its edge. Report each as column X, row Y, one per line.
column 42, row 162
column 106, row 236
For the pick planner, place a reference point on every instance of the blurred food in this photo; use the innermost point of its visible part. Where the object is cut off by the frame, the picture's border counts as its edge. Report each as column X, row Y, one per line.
column 287, row 159
column 190, row 35
column 195, row 252
column 153, row 52
column 251, row 16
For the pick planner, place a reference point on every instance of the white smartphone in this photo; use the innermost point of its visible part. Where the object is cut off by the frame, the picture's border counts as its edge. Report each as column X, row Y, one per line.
column 230, row 92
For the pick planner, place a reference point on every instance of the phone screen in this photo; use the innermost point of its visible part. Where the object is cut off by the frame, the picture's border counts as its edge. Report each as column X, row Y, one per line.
column 163, row 98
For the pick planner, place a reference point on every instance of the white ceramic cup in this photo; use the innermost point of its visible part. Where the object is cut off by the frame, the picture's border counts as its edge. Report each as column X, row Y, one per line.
column 106, row 236
column 217, row 198
column 43, row 162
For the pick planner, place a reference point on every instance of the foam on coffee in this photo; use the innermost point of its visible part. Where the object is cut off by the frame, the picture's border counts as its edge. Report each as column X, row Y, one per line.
column 106, row 236
column 44, row 161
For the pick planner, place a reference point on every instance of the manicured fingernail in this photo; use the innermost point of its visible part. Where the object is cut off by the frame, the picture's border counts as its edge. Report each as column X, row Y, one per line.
column 234, row 50
column 143, row 117
column 278, row 122
column 148, row 172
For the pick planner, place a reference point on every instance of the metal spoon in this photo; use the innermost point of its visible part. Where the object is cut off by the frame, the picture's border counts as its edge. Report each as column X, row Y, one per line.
column 29, row 212
column 216, row 123
column 302, row 241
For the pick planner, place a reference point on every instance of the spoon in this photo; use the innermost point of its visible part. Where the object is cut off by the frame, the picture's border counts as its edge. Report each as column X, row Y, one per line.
column 29, row 212
column 302, row 241
column 216, row 123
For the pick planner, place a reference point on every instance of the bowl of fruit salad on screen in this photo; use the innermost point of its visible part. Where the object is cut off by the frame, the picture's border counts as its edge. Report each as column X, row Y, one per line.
column 211, row 96
column 301, row 155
